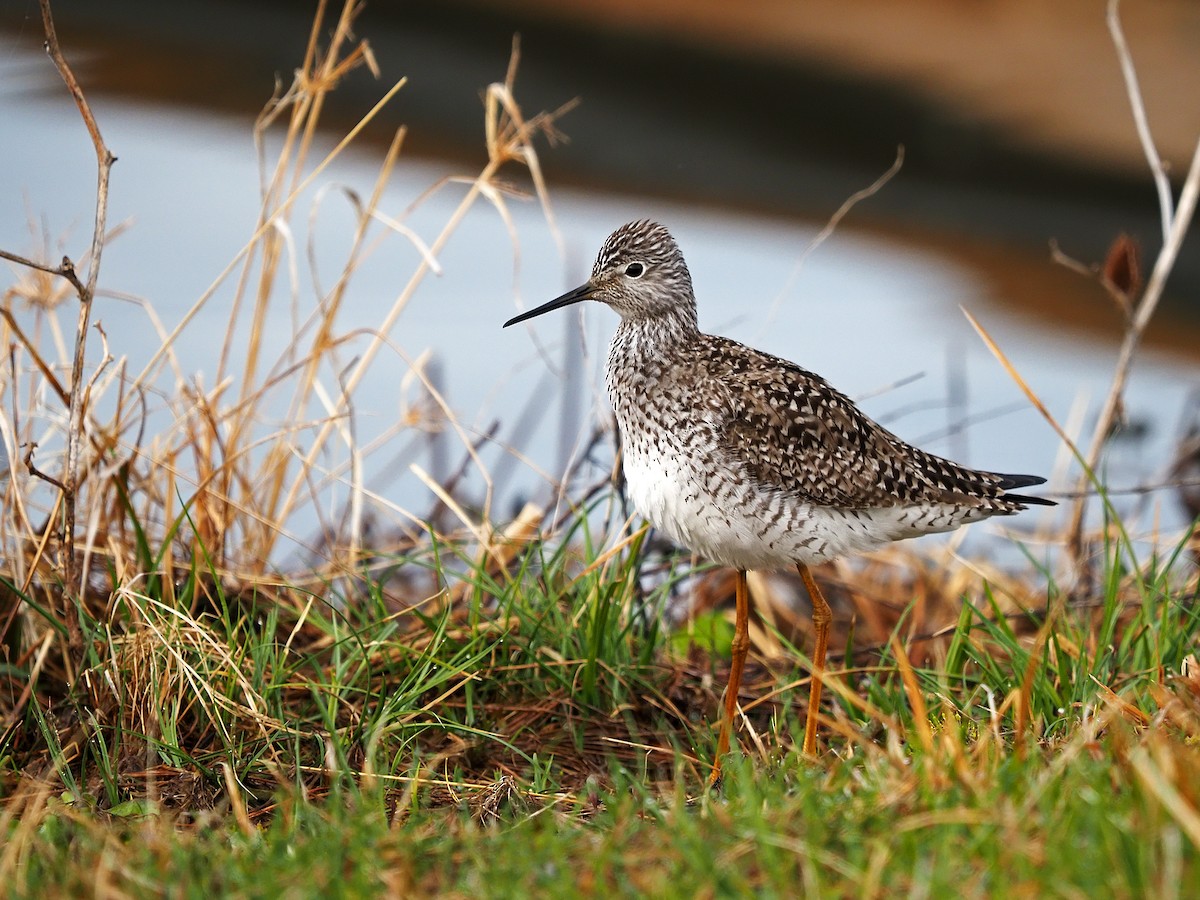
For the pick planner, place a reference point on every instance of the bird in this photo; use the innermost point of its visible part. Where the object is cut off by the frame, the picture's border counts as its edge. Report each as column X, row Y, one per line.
column 749, row 460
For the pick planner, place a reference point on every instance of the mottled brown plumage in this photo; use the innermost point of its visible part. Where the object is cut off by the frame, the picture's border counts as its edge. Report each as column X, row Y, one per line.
column 797, row 433
column 750, row 460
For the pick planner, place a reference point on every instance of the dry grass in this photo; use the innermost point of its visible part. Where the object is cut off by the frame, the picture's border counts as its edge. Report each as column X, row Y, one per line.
column 177, row 475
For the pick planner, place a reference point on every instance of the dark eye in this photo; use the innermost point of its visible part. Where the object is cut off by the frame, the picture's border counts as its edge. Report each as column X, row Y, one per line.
column 635, row 270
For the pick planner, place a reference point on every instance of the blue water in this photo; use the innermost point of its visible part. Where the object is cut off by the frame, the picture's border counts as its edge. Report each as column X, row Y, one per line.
column 864, row 313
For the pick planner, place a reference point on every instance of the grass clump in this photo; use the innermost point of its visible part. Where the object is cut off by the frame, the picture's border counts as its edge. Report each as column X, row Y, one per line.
column 533, row 731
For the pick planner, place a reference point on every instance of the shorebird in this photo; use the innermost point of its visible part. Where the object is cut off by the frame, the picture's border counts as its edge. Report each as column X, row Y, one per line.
column 749, row 460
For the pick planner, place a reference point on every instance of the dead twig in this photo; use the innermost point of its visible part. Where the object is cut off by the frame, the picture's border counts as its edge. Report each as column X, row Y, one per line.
column 86, row 290
column 65, row 269
column 831, row 226
column 1176, row 220
column 1162, row 183
column 38, row 473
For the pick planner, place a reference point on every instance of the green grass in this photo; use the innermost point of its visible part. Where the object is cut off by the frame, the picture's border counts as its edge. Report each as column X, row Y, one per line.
column 1081, row 825
column 528, row 731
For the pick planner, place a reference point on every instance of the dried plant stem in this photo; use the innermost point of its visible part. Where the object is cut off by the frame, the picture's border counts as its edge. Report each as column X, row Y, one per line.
column 1161, row 182
column 1177, row 223
column 509, row 139
column 87, row 292
column 363, row 363
column 268, row 222
column 831, row 226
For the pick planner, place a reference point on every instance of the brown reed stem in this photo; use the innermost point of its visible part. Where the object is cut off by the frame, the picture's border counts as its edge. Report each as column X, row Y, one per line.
column 72, row 581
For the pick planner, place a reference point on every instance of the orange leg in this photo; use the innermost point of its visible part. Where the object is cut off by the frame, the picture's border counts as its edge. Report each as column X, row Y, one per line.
column 822, row 615
column 740, row 647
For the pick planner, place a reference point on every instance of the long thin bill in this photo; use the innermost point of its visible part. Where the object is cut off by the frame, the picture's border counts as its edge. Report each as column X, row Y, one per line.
column 583, row 292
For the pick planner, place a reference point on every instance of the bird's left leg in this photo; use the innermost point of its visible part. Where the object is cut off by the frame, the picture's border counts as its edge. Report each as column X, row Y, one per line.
column 740, row 647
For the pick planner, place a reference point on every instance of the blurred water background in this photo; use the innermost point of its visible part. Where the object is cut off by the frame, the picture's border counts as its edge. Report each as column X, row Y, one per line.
column 875, row 309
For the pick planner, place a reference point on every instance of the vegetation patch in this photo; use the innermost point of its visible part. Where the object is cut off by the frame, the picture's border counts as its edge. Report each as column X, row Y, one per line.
column 465, row 708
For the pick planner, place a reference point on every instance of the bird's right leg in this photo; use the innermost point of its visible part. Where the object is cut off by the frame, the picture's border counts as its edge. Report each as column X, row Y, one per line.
column 822, row 615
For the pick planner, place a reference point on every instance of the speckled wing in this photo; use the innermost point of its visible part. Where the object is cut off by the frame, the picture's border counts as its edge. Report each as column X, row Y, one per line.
column 795, row 433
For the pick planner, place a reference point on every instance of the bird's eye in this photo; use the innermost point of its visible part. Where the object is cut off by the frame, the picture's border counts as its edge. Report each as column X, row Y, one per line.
column 635, row 270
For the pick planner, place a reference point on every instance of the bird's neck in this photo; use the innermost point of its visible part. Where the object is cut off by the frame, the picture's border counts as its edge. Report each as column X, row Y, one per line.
column 650, row 333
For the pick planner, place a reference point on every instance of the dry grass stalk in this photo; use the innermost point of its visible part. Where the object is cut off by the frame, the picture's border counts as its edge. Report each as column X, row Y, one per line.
column 214, row 488
column 1176, row 220
column 86, row 291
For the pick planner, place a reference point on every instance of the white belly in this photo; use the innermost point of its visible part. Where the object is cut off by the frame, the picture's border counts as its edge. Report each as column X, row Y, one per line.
column 734, row 524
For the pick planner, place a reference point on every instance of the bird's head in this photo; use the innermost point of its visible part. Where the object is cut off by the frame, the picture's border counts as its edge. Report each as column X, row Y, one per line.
column 639, row 272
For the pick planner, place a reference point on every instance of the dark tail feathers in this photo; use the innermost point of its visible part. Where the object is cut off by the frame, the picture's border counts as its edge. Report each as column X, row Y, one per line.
column 1020, row 481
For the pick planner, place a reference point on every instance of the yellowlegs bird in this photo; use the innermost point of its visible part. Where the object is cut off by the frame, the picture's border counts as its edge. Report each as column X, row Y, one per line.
column 751, row 461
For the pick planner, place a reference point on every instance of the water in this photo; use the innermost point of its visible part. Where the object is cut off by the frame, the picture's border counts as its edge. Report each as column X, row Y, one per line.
column 863, row 312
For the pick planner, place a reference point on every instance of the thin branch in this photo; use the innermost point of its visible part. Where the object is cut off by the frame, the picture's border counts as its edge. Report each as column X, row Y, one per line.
column 86, row 292
column 38, row 473
column 41, row 364
column 1180, row 222
column 1161, row 182
column 1176, row 221
column 1120, row 298
column 842, row 211
column 65, row 270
